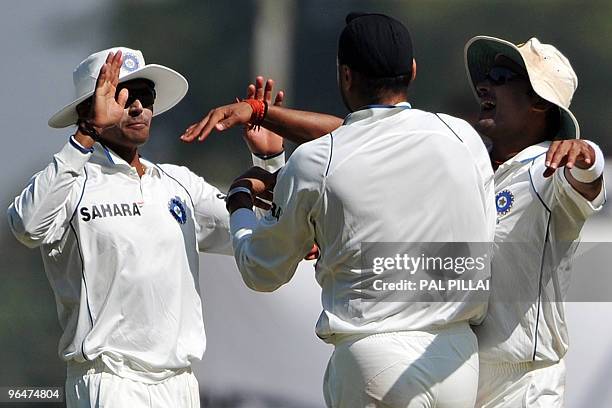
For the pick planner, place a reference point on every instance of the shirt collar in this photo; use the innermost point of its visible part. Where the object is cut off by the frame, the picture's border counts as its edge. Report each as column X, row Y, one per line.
column 371, row 113
column 105, row 157
column 527, row 154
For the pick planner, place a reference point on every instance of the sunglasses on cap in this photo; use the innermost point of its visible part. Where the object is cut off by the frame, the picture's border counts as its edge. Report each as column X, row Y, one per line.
column 138, row 89
column 500, row 75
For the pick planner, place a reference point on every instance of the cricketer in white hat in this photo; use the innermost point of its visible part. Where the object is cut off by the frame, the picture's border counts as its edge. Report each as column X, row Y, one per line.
column 120, row 236
column 548, row 182
column 549, row 72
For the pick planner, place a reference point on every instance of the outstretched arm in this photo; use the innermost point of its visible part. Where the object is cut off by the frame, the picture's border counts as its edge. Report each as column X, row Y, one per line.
column 294, row 125
column 581, row 160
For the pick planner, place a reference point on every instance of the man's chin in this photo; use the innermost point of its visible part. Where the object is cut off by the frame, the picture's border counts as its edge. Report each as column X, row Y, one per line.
column 138, row 137
column 485, row 127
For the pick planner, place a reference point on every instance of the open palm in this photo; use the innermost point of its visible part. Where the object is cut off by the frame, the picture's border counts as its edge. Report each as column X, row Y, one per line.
column 260, row 139
column 106, row 110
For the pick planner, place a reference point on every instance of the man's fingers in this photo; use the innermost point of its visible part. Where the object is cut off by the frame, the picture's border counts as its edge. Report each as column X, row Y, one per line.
column 280, row 97
column 229, row 121
column 220, row 119
column 551, row 152
column 116, row 68
column 192, row 131
column 573, row 154
column 590, row 153
column 268, row 90
column 205, row 127
column 259, row 88
column 560, row 156
column 250, row 94
column 101, row 76
column 556, row 158
column 123, row 97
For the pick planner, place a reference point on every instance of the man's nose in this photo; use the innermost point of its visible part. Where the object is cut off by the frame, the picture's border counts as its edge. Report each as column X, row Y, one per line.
column 483, row 86
column 135, row 108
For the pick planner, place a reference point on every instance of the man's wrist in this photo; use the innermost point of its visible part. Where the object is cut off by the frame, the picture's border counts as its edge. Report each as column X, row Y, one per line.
column 83, row 139
column 592, row 173
column 238, row 196
column 238, row 201
column 86, row 127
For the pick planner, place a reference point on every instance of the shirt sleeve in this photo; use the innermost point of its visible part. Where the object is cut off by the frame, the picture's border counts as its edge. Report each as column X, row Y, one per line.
column 211, row 216
column 485, row 170
column 42, row 212
column 268, row 251
column 559, row 195
column 270, row 164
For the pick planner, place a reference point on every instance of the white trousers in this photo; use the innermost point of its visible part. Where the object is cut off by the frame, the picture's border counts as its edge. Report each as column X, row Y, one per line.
column 520, row 385
column 93, row 385
column 412, row 369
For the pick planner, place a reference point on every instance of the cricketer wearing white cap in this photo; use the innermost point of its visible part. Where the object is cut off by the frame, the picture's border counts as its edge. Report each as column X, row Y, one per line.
column 120, row 236
column 525, row 93
column 391, row 174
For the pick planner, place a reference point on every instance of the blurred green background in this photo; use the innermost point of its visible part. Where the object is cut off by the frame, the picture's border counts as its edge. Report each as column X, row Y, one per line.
column 220, row 46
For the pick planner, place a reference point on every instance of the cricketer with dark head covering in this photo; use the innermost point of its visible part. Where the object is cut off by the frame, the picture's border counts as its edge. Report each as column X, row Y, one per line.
column 369, row 181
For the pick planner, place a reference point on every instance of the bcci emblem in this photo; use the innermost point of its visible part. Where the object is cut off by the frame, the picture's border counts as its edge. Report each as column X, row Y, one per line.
column 130, row 62
column 503, row 201
column 177, row 209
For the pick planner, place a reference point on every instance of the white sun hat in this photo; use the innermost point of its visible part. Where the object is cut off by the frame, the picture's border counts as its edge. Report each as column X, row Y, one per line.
column 550, row 73
column 170, row 86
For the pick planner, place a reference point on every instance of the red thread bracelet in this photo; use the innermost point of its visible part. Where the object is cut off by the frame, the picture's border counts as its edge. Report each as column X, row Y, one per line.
column 260, row 109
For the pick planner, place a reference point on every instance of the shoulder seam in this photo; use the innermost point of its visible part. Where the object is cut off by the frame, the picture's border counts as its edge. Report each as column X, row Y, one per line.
column 448, row 126
column 178, row 182
column 533, row 185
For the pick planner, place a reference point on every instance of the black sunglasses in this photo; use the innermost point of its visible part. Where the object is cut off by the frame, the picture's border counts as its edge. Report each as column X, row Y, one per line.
column 500, row 75
column 140, row 89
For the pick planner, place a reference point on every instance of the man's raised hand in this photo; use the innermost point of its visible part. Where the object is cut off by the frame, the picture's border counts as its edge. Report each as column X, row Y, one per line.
column 107, row 111
column 259, row 139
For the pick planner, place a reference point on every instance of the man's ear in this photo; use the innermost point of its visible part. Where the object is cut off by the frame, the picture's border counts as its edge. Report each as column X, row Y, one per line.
column 540, row 104
column 413, row 70
column 346, row 76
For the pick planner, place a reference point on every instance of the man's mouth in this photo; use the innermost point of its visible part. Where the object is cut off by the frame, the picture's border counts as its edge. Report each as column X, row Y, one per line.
column 137, row 125
column 487, row 105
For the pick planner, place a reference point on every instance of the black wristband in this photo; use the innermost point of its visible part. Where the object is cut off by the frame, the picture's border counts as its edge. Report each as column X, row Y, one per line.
column 88, row 129
column 269, row 156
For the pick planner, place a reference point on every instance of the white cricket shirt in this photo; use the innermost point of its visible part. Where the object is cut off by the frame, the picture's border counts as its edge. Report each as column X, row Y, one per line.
column 121, row 254
column 538, row 231
column 389, row 174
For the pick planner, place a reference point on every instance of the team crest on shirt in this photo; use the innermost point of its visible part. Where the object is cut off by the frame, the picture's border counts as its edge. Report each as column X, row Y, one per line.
column 504, row 201
column 177, row 209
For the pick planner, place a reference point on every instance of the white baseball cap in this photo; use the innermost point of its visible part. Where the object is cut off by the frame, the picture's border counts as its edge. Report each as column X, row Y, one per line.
column 550, row 73
column 170, row 86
